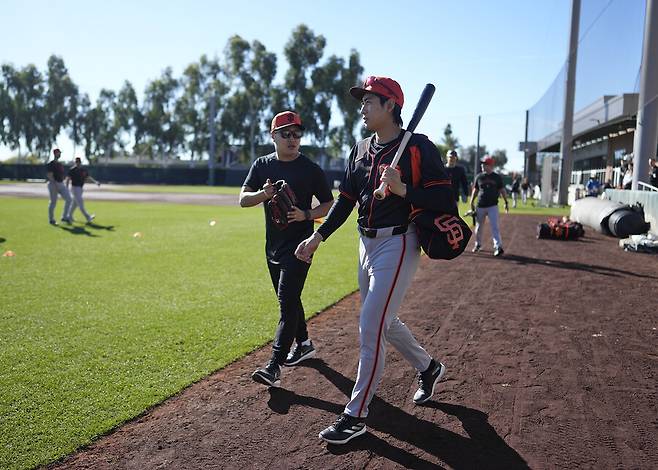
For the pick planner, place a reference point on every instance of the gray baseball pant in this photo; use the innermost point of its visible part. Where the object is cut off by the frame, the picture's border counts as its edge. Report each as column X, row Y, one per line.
column 55, row 188
column 387, row 266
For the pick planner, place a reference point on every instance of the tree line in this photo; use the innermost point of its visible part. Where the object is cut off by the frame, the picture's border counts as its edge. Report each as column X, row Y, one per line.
column 235, row 92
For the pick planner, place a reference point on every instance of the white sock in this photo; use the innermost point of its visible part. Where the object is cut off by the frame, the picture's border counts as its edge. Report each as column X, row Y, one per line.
column 306, row 343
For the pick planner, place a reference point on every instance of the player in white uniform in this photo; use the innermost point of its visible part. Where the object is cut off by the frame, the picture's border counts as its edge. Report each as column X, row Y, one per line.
column 388, row 250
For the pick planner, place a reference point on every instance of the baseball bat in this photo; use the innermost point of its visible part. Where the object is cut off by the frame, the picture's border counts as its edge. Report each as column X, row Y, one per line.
column 421, row 107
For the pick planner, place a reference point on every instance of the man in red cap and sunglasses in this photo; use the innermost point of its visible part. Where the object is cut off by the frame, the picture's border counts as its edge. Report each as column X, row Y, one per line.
column 288, row 274
column 487, row 186
column 388, row 248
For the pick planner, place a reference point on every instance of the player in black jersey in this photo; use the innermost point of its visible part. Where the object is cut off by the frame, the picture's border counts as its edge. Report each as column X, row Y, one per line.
column 389, row 251
column 457, row 176
column 77, row 177
column 487, row 187
column 56, row 186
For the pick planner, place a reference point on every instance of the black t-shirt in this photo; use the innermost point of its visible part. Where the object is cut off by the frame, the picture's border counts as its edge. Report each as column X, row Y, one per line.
column 458, row 177
column 306, row 179
column 78, row 175
column 653, row 180
column 57, row 169
column 489, row 186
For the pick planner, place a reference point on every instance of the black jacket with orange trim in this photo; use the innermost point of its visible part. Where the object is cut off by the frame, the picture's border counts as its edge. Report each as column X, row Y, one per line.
column 421, row 169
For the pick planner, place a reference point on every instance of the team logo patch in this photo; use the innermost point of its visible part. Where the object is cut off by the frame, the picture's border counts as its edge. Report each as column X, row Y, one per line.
column 450, row 225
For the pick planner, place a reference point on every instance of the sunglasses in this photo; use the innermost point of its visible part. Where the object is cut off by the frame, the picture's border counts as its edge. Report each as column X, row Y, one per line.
column 291, row 134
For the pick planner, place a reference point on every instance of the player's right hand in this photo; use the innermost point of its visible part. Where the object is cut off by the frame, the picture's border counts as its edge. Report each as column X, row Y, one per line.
column 269, row 189
column 306, row 248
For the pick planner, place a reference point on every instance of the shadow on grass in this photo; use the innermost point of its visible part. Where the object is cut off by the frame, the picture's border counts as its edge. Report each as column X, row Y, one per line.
column 483, row 448
column 2, row 240
column 95, row 226
column 77, row 230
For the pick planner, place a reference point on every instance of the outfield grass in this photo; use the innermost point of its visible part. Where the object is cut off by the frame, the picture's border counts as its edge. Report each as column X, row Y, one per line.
column 97, row 325
column 531, row 208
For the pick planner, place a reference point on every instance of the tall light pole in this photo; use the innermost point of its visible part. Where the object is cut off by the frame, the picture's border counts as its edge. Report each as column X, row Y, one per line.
column 525, row 146
column 211, row 144
column 646, row 131
column 476, row 163
column 567, row 123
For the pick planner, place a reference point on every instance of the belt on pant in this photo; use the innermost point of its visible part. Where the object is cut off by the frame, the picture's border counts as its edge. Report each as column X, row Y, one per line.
column 382, row 232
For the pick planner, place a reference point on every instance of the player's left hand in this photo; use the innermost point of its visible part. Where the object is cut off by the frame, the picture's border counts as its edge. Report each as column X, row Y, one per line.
column 307, row 247
column 296, row 215
column 506, row 208
column 391, row 176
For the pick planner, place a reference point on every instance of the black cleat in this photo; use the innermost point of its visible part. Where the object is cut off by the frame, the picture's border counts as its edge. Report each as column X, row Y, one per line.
column 476, row 248
column 344, row 429
column 269, row 375
column 299, row 354
column 427, row 381
column 499, row 251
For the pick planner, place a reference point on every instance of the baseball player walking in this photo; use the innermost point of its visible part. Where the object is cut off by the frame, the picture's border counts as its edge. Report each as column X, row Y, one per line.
column 56, row 186
column 77, row 177
column 388, row 248
column 487, row 187
column 288, row 273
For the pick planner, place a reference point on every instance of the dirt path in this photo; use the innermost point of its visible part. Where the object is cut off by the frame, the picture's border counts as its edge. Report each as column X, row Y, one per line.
column 551, row 356
column 108, row 192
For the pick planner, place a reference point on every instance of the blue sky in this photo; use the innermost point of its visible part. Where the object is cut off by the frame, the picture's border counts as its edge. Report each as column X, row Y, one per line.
column 489, row 58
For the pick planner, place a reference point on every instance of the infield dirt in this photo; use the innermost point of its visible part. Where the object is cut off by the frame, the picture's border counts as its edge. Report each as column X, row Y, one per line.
column 551, row 357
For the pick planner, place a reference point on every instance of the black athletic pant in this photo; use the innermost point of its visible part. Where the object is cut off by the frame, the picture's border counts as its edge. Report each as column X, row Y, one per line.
column 288, row 277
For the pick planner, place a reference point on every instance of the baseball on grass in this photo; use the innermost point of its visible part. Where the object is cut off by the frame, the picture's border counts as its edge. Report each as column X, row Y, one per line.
column 212, row 223
column 137, row 234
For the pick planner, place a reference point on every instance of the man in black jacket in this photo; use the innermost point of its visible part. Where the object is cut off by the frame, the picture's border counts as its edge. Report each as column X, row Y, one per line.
column 457, row 176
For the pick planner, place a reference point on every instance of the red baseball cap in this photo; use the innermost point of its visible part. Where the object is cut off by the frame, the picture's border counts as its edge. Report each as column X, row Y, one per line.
column 286, row 119
column 383, row 86
column 488, row 161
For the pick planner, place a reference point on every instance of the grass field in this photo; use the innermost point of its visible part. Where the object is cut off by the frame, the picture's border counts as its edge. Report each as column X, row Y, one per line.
column 97, row 325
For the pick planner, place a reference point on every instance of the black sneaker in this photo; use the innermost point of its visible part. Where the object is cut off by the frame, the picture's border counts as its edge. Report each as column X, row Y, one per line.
column 427, row 381
column 53, row 222
column 343, row 430
column 476, row 248
column 499, row 251
column 269, row 375
column 299, row 354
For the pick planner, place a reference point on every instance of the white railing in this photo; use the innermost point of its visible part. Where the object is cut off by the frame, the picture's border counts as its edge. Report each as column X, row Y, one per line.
column 581, row 176
column 646, row 187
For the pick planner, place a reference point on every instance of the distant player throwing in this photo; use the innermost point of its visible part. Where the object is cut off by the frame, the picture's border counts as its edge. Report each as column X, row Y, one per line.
column 77, row 177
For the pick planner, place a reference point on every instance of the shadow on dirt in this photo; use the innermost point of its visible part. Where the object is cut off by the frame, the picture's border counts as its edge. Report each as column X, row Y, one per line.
column 483, row 448
column 591, row 268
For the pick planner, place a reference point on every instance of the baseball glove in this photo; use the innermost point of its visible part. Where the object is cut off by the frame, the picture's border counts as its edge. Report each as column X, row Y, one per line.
column 281, row 203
